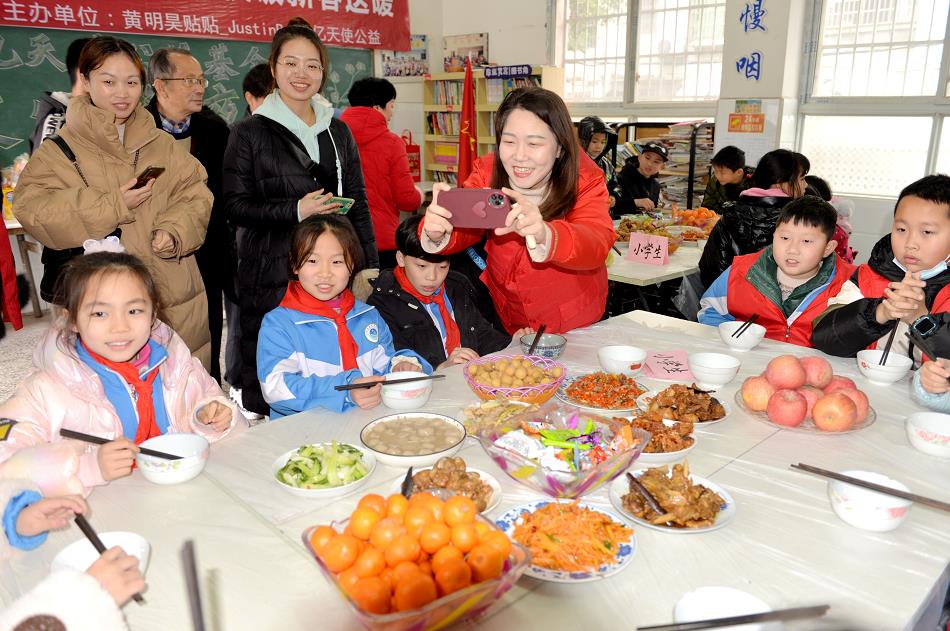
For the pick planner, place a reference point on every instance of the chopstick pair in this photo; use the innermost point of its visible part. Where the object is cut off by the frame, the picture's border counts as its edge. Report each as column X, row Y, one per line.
column 922, row 344
column 371, row 384
column 745, row 325
column 784, row 615
column 98, row 440
column 886, row 490
column 887, row 346
column 100, row 547
column 537, row 338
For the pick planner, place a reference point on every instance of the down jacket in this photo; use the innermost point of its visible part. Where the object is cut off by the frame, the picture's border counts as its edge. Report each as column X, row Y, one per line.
column 263, row 181
column 63, row 392
column 60, row 211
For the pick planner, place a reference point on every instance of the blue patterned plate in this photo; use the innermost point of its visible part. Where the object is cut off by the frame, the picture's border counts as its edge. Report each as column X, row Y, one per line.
column 512, row 517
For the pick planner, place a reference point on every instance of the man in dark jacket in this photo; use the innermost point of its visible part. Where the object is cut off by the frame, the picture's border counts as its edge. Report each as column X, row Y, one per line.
column 178, row 108
column 430, row 309
column 51, row 109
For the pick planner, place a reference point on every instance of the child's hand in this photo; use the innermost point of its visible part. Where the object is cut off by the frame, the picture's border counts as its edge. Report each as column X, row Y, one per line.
column 644, row 203
column 119, row 574
column 934, row 376
column 520, row 333
column 404, row 366
column 217, row 415
column 460, row 355
column 903, row 300
column 524, row 219
column 436, row 222
column 50, row 513
column 116, row 458
column 367, row 398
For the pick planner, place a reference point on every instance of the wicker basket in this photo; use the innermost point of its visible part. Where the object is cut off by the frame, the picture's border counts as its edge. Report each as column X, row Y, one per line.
column 526, row 394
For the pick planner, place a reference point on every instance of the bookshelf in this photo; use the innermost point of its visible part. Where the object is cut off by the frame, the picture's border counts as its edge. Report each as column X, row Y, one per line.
column 442, row 112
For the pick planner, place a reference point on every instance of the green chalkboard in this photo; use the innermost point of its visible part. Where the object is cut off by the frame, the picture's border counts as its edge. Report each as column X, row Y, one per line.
column 32, row 61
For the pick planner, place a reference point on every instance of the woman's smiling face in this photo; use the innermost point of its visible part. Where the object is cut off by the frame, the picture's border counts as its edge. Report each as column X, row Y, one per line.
column 528, row 150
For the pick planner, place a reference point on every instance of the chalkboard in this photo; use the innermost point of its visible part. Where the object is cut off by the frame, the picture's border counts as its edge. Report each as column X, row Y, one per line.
column 32, row 61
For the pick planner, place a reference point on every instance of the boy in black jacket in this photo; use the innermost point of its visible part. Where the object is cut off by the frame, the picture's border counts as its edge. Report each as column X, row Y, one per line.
column 430, row 309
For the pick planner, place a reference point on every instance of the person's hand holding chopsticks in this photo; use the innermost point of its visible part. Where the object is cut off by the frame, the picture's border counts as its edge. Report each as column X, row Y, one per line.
column 368, row 398
column 903, row 300
column 216, row 414
column 49, row 513
column 116, row 458
column 935, row 376
column 119, row 574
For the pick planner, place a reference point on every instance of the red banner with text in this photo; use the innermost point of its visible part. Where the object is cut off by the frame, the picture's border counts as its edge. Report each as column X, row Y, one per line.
column 352, row 23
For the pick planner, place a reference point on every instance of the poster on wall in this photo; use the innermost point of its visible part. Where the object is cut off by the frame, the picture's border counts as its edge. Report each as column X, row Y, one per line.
column 411, row 63
column 457, row 48
column 750, row 124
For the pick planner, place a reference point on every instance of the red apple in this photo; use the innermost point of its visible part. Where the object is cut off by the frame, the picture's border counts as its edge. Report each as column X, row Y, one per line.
column 835, row 412
column 860, row 402
column 818, row 371
column 839, row 383
column 756, row 392
column 811, row 394
column 787, row 407
column 785, row 372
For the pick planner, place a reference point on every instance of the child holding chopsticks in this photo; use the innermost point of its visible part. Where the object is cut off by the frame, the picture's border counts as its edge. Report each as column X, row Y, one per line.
column 109, row 367
column 321, row 336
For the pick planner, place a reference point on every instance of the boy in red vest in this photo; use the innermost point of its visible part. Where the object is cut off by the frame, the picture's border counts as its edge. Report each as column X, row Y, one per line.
column 903, row 284
column 787, row 283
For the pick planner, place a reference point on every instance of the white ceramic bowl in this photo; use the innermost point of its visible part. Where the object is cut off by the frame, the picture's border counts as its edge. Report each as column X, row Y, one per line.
column 551, row 345
column 713, row 370
column 79, row 555
column 406, row 396
column 896, row 367
column 721, row 602
column 749, row 339
column 866, row 509
column 330, row 491
column 929, row 432
column 620, row 359
column 417, row 460
column 193, row 449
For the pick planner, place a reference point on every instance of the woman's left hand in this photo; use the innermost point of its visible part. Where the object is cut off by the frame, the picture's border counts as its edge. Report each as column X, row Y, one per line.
column 524, row 219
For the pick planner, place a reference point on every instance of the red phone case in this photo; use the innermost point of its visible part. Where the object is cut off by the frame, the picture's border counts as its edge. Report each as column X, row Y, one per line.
column 476, row 207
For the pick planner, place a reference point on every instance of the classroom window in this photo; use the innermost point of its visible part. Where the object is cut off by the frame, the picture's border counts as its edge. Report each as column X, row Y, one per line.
column 595, row 46
column 856, row 162
column 943, row 151
column 880, row 47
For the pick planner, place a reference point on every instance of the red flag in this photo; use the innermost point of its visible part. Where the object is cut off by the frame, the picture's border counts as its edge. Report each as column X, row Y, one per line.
column 467, row 135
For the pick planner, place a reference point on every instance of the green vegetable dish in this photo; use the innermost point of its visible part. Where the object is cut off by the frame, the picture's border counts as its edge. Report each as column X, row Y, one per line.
column 323, row 466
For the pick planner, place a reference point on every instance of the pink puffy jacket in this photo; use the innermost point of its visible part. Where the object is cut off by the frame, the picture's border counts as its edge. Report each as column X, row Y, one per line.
column 62, row 392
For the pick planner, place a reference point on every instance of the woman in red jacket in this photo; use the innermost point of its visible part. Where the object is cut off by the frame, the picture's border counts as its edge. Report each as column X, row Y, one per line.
column 547, row 264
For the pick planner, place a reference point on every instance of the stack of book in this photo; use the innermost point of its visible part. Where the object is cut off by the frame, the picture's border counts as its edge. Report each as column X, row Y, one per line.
column 447, row 92
column 498, row 89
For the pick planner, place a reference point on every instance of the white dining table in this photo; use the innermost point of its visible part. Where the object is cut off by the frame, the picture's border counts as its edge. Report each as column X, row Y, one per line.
column 785, row 545
column 683, row 262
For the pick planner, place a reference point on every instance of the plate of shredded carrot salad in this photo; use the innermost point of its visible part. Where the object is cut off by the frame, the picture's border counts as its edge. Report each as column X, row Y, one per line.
column 570, row 541
column 601, row 391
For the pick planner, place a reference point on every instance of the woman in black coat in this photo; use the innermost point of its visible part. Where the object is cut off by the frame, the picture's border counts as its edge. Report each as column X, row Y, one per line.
column 282, row 165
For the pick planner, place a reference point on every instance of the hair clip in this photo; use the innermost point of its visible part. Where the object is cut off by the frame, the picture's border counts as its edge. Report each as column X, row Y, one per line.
column 109, row 244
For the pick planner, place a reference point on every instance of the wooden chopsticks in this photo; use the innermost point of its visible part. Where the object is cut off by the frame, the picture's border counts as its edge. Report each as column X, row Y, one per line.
column 100, row 547
column 886, row 490
column 795, row 613
column 887, row 346
column 371, row 384
column 98, row 440
column 537, row 338
column 191, row 581
column 745, row 325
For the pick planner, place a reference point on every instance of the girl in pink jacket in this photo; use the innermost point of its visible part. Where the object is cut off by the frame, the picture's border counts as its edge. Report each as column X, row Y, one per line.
column 107, row 367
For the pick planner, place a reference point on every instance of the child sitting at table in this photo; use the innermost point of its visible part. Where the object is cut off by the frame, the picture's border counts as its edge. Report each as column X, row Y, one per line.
column 904, row 283
column 321, row 336
column 638, row 184
column 730, row 176
column 787, row 283
column 66, row 599
column 431, row 309
column 108, row 366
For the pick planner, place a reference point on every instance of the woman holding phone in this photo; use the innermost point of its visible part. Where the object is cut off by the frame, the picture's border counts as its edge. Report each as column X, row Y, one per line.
column 283, row 164
column 64, row 199
column 546, row 264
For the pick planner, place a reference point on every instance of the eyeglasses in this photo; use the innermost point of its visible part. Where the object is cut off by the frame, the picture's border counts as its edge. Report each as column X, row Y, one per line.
column 294, row 64
column 191, row 82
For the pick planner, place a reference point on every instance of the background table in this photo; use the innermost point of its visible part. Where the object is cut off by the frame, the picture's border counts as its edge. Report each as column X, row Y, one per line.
column 681, row 263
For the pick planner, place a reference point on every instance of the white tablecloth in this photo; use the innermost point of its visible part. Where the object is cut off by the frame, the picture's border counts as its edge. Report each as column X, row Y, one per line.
column 683, row 262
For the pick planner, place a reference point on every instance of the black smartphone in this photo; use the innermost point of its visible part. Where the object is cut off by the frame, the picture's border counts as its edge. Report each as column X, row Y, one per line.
column 148, row 174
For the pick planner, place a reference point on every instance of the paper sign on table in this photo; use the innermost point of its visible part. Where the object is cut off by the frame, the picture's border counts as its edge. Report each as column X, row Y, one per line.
column 668, row 366
column 648, row 248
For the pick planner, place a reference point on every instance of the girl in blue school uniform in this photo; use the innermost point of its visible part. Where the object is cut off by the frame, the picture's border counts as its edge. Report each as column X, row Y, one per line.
column 321, row 336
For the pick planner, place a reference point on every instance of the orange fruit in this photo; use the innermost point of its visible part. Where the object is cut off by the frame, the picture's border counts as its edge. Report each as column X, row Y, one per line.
column 460, row 510
column 486, row 562
column 453, row 575
column 375, row 502
column 396, row 506
column 414, row 592
column 320, row 536
column 385, row 532
column 425, row 567
column 403, row 570
column 464, row 536
column 362, row 522
column 347, row 579
column 370, row 563
column 481, row 528
column 340, row 552
column 416, row 518
column 403, row 548
column 421, row 498
column 435, row 505
column 445, row 554
column 435, row 536
column 371, row 594
column 498, row 540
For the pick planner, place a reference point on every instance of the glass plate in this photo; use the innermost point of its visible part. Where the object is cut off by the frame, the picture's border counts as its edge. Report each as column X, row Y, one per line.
column 808, row 426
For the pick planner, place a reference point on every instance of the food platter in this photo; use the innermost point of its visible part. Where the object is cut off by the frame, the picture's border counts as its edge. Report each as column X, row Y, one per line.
column 487, row 478
column 325, row 492
column 568, row 381
column 620, row 486
column 643, row 403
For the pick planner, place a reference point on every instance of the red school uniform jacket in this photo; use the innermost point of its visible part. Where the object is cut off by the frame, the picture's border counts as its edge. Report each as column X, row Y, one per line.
column 567, row 291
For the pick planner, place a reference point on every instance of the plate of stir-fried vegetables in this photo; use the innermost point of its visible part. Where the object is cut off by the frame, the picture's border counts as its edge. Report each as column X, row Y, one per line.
column 324, row 470
column 601, row 391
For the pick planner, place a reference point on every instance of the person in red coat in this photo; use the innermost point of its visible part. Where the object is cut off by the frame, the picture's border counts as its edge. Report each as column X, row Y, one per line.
column 389, row 186
column 547, row 265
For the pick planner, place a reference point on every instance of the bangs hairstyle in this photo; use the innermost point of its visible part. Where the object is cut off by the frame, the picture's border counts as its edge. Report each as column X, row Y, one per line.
column 779, row 167
column 305, row 236
column 297, row 28
column 84, row 270
column 407, row 241
column 810, row 211
column 98, row 49
column 548, row 106
column 932, row 188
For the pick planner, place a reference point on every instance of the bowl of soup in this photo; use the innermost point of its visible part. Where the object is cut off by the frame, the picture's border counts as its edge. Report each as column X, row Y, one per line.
column 416, row 439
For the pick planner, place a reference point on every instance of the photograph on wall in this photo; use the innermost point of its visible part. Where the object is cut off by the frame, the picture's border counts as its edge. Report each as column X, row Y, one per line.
column 458, row 48
column 411, row 63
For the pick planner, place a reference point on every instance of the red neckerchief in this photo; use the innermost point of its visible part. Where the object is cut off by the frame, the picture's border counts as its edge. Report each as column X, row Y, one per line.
column 453, row 338
column 298, row 299
column 147, row 427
